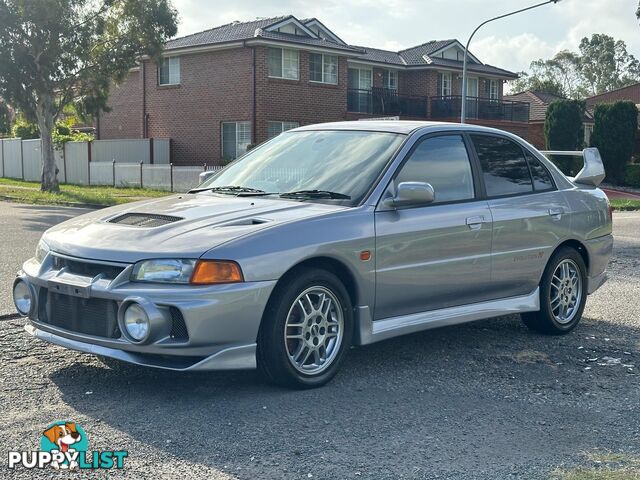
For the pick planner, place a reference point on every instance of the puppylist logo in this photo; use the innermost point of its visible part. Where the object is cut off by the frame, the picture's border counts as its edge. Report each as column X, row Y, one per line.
column 65, row 446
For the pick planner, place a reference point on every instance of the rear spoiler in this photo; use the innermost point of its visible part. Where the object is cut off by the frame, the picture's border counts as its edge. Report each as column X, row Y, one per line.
column 592, row 172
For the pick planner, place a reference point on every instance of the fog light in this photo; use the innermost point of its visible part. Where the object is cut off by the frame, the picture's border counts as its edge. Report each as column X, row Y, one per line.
column 136, row 322
column 22, row 297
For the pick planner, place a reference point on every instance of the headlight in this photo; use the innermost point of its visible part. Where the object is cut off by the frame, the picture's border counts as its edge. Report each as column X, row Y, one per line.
column 163, row 271
column 136, row 321
column 201, row 272
column 22, row 297
column 41, row 251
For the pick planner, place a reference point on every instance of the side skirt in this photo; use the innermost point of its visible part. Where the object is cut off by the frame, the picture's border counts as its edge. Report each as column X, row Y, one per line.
column 370, row 331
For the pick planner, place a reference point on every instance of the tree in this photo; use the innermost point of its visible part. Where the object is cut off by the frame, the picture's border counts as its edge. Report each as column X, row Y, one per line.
column 536, row 83
column 53, row 52
column 602, row 64
column 614, row 130
column 606, row 65
column 563, row 130
column 5, row 119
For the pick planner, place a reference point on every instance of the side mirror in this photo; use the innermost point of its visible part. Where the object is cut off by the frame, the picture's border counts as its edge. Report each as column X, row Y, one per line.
column 205, row 175
column 411, row 194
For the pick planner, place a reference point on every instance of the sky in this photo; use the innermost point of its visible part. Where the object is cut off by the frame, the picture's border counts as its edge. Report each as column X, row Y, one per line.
column 510, row 43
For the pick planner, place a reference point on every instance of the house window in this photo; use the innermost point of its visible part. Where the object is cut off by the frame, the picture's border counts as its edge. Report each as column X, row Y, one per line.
column 390, row 79
column 169, row 71
column 276, row 128
column 236, row 136
column 284, row 63
column 493, row 89
column 323, row 68
column 360, row 78
column 445, row 84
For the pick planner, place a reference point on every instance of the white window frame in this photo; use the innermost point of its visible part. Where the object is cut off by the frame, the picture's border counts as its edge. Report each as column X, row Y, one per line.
column 391, row 74
column 284, row 126
column 241, row 147
column 174, row 70
column 446, row 85
column 360, row 84
column 283, row 62
column 494, row 91
column 324, row 73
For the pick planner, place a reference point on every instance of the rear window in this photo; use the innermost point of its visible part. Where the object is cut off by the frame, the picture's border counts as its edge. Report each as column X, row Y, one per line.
column 541, row 176
column 504, row 167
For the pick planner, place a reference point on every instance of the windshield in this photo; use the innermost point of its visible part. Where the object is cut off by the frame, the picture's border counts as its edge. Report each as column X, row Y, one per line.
column 339, row 164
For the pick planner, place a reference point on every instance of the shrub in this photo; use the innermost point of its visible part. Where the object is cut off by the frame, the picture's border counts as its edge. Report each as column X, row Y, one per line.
column 563, row 130
column 25, row 130
column 632, row 175
column 614, row 134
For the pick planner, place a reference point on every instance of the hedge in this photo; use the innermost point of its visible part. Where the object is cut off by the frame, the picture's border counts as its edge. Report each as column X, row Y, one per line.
column 632, row 175
column 614, row 134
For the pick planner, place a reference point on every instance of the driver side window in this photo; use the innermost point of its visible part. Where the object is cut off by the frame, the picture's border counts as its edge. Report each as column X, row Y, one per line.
column 444, row 163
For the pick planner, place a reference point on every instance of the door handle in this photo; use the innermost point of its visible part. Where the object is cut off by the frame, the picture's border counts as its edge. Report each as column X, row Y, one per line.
column 556, row 213
column 475, row 223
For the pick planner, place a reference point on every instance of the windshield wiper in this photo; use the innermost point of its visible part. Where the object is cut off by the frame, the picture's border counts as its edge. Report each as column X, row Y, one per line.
column 231, row 189
column 315, row 194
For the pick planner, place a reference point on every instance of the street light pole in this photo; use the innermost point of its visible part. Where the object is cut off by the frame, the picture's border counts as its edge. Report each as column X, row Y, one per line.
column 463, row 108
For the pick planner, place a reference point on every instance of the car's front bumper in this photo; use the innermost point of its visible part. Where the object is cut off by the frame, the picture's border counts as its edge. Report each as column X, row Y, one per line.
column 221, row 321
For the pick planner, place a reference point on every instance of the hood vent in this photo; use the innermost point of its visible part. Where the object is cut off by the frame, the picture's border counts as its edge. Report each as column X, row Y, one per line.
column 148, row 220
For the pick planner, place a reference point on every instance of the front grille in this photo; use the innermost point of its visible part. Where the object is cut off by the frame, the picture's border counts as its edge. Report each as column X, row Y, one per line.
column 87, row 269
column 90, row 316
column 178, row 327
column 148, row 220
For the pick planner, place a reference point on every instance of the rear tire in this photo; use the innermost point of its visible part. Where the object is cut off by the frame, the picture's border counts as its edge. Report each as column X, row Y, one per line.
column 563, row 294
column 306, row 330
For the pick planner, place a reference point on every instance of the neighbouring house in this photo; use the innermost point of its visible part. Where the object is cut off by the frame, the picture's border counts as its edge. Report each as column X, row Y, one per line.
column 538, row 104
column 216, row 92
column 630, row 93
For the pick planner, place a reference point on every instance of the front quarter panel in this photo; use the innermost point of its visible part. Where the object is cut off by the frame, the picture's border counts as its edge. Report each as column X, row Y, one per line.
column 342, row 236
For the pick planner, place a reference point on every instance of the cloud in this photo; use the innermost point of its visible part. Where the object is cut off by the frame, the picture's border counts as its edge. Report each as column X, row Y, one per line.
column 517, row 52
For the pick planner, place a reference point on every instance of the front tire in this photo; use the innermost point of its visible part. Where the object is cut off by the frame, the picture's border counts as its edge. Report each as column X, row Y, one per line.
column 563, row 294
column 306, row 330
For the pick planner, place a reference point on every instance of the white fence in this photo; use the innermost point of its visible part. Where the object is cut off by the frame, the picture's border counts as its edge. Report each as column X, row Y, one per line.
column 119, row 163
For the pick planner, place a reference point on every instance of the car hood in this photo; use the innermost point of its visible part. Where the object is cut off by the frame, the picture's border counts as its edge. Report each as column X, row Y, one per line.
column 204, row 221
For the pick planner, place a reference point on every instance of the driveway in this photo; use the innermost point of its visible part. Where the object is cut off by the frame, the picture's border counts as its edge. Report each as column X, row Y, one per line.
column 484, row 400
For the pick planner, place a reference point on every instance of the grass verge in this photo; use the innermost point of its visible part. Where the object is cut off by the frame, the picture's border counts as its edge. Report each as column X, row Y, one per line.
column 29, row 192
column 621, row 205
column 606, row 466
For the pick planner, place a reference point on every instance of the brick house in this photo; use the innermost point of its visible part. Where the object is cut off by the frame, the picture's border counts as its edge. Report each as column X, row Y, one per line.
column 538, row 104
column 217, row 91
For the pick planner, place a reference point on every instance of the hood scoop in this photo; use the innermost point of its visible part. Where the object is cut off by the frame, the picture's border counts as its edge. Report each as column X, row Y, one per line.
column 148, row 220
column 243, row 222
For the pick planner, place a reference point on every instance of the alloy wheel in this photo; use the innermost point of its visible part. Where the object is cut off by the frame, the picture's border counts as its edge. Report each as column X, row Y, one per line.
column 314, row 330
column 566, row 291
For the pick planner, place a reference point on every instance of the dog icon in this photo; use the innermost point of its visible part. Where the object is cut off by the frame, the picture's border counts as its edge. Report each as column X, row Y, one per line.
column 63, row 436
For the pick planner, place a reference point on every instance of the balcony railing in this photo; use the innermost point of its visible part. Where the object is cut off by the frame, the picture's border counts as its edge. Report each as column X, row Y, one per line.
column 479, row 108
column 384, row 101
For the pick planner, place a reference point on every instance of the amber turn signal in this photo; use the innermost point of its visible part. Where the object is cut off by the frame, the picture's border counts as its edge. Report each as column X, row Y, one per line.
column 207, row 272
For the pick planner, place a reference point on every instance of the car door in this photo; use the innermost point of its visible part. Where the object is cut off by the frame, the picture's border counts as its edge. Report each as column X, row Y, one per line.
column 530, row 217
column 438, row 255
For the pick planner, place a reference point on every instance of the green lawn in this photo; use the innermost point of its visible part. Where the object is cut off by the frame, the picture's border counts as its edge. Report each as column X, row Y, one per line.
column 619, row 204
column 29, row 192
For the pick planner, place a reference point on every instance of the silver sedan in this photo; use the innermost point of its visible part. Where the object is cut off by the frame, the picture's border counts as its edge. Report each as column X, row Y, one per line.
column 323, row 237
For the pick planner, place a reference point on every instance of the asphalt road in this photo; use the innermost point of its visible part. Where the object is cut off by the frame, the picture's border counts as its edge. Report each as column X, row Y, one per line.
column 484, row 400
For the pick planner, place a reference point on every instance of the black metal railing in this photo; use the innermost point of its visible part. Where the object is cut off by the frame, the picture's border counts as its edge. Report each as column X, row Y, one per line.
column 385, row 101
column 479, row 108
